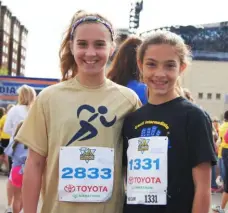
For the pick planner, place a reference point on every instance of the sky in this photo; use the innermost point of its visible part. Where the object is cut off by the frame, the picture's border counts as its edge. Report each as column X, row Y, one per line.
column 47, row 20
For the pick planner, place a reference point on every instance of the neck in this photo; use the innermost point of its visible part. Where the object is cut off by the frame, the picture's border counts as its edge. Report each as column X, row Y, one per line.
column 91, row 80
column 157, row 99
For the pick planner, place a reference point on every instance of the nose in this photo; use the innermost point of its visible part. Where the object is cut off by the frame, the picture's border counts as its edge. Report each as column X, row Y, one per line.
column 90, row 51
column 159, row 72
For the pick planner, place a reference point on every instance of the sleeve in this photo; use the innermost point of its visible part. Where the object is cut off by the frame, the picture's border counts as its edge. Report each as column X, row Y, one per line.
column 125, row 143
column 200, row 139
column 221, row 133
column 138, row 104
column 1, row 123
column 33, row 132
column 9, row 125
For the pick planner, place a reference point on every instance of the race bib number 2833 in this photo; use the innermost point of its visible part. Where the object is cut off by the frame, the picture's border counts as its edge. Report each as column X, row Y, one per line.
column 86, row 174
column 147, row 171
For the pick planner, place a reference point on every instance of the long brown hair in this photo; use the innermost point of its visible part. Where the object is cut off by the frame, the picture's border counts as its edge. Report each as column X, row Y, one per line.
column 167, row 37
column 124, row 65
column 67, row 62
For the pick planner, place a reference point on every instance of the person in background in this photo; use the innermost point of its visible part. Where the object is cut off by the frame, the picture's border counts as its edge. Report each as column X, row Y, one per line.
column 124, row 69
column 2, row 113
column 18, row 153
column 226, row 137
column 26, row 97
column 4, row 140
column 216, row 125
column 222, row 131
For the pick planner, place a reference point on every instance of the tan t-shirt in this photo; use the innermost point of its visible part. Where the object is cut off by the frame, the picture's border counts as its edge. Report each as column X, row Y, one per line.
column 55, row 118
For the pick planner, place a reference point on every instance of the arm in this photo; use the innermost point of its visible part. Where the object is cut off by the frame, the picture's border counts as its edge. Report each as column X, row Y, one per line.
column 8, row 126
column 1, row 124
column 32, row 179
column 202, row 182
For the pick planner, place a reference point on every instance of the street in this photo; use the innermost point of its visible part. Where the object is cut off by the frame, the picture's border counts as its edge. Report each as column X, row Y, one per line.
column 215, row 198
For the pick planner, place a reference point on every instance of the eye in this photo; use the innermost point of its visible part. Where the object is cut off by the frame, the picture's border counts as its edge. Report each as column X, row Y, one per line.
column 150, row 64
column 100, row 44
column 171, row 66
column 82, row 44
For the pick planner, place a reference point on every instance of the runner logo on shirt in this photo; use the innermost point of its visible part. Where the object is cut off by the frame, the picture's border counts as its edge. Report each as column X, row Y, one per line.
column 87, row 154
column 143, row 144
column 87, row 130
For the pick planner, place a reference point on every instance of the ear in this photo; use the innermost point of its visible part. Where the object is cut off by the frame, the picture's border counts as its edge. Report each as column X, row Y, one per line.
column 112, row 49
column 140, row 66
column 182, row 67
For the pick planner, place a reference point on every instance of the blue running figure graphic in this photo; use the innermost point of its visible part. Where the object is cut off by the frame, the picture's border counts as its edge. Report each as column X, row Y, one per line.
column 87, row 129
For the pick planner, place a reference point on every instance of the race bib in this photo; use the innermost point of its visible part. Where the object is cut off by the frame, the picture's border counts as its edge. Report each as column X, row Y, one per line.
column 86, row 174
column 147, row 171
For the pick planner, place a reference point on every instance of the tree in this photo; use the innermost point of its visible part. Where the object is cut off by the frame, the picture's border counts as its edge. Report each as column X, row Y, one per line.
column 3, row 71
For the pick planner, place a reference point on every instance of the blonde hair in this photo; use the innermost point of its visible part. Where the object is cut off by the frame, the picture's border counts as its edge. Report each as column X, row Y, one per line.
column 67, row 63
column 9, row 106
column 26, row 95
column 166, row 37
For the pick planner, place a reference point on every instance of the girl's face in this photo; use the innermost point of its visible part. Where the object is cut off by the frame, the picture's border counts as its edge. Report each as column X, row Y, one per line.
column 91, row 47
column 161, row 68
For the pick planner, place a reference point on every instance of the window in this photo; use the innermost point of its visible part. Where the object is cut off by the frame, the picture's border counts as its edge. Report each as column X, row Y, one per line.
column 16, row 32
column 200, row 95
column 22, row 71
column 14, row 56
column 14, row 65
column 3, row 59
column 7, row 22
column 209, row 96
column 13, row 73
column 15, row 46
column 22, row 61
column 5, row 49
column 6, row 38
column 218, row 96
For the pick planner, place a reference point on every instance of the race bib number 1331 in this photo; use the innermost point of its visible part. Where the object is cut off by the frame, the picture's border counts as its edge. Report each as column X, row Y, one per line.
column 147, row 170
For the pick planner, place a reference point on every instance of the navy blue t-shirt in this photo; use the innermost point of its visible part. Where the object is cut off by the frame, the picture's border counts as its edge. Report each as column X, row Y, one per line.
column 190, row 144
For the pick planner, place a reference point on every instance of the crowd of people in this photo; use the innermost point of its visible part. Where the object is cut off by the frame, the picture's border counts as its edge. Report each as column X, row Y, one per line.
column 13, row 156
column 125, row 140
column 211, row 39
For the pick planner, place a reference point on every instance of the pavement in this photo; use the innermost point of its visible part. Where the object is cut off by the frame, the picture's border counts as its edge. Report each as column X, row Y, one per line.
column 216, row 198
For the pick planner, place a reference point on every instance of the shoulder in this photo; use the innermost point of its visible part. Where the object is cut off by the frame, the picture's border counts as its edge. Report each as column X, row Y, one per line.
column 125, row 92
column 3, row 118
column 49, row 91
column 195, row 114
column 136, row 114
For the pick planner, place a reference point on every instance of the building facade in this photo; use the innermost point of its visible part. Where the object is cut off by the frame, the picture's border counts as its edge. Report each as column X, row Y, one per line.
column 13, row 37
column 208, row 82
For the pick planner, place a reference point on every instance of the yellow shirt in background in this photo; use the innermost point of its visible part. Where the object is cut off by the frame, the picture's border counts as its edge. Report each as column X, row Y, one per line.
column 222, row 131
column 3, row 135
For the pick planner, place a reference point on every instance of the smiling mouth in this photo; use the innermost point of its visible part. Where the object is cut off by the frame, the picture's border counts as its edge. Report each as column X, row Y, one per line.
column 159, row 83
column 90, row 62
